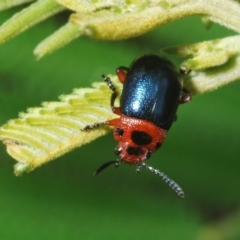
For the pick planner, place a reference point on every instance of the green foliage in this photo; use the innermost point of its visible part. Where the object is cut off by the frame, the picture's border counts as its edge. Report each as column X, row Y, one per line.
column 62, row 200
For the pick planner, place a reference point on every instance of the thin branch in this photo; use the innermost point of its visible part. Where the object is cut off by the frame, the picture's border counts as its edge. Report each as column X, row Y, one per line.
column 28, row 17
column 11, row 3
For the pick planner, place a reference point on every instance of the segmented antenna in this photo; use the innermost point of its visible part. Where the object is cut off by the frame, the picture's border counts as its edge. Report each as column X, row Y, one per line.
column 105, row 165
column 109, row 83
column 177, row 189
column 164, row 177
column 111, row 86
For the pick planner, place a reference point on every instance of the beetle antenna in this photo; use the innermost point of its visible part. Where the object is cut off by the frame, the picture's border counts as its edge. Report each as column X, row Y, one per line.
column 105, row 165
column 109, row 83
column 111, row 86
column 164, row 177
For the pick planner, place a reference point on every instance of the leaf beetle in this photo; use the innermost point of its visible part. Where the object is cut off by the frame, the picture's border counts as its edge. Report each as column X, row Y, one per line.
column 152, row 92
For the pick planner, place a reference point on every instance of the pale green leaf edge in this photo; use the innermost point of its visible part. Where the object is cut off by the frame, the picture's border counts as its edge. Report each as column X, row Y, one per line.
column 6, row 4
column 28, row 17
column 115, row 20
column 47, row 132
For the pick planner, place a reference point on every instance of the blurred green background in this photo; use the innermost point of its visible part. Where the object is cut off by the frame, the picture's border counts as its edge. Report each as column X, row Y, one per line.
column 61, row 200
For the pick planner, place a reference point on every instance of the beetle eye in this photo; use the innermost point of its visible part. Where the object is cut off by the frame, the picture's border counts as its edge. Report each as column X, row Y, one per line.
column 141, row 138
column 119, row 131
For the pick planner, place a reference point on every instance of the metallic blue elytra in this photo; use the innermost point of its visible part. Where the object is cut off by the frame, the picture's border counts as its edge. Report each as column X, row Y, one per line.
column 152, row 91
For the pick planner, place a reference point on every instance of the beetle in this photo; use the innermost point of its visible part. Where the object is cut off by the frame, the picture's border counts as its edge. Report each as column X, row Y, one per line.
column 152, row 92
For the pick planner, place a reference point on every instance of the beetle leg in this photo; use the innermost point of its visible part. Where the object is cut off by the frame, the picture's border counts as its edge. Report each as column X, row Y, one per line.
column 111, row 86
column 94, row 126
column 122, row 73
column 111, row 123
column 185, row 96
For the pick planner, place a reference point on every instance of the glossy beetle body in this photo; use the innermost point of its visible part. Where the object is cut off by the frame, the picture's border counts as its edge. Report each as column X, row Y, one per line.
column 152, row 91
